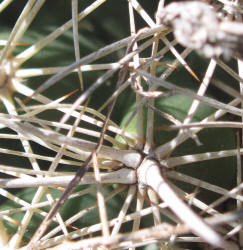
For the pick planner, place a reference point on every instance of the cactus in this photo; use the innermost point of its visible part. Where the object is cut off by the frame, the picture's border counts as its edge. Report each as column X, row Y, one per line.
column 120, row 129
